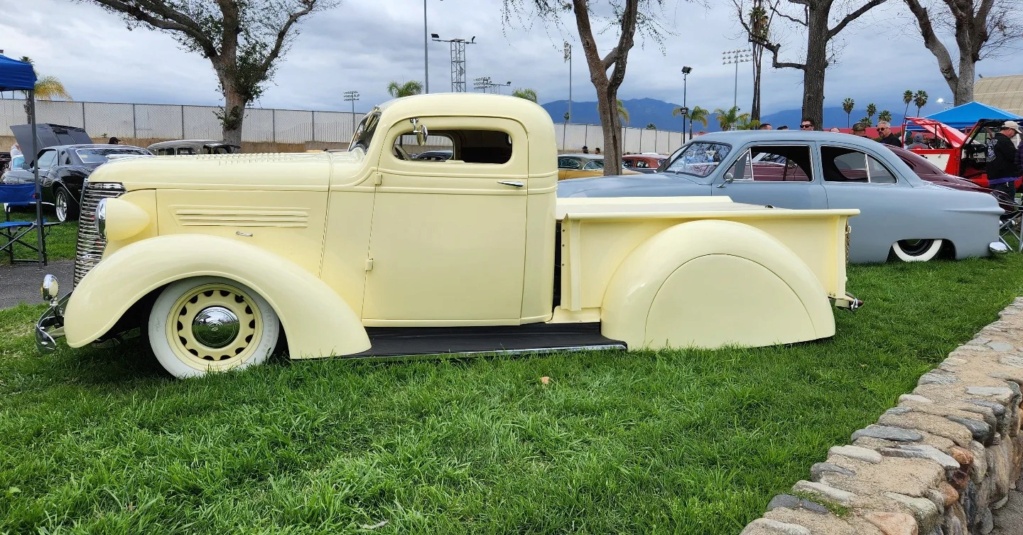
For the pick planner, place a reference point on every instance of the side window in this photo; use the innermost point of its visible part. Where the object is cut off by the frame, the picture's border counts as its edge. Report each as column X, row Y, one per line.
column 641, row 164
column 853, row 166
column 594, row 165
column 468, row 146
column 774, row 164
column 568, row 163
column 47, row 160
column 64, row 158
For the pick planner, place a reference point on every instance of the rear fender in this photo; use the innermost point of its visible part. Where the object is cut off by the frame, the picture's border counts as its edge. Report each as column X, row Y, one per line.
column 714, row 283
column 317, row 321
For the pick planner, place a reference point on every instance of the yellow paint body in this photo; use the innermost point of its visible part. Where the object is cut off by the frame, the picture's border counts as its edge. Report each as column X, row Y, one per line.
column 336, row 242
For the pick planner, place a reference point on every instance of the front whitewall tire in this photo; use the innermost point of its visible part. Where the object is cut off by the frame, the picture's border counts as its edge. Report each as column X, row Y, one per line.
column 211, row 324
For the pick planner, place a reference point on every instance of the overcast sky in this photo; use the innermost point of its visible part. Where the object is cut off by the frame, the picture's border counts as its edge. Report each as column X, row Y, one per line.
column 364, row 45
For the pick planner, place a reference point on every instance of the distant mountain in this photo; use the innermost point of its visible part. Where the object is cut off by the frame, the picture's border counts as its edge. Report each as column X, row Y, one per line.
column 645, row 111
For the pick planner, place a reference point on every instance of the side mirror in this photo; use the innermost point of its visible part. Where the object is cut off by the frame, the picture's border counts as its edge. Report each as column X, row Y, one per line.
column 420, row 131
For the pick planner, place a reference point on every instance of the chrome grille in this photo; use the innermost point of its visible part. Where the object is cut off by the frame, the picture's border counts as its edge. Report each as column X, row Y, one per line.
column 90, row 245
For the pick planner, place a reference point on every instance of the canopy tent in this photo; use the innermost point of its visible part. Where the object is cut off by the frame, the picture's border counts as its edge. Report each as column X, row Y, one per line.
column 967, row 115
column 20, row 76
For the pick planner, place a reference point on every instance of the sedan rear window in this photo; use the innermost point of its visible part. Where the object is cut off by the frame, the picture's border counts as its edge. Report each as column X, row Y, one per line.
column 102, row 155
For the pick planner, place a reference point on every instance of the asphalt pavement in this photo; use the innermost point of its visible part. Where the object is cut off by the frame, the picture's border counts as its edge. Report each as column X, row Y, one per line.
column 20, row 283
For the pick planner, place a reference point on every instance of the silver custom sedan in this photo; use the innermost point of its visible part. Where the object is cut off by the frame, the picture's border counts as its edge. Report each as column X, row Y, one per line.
column 901, row 215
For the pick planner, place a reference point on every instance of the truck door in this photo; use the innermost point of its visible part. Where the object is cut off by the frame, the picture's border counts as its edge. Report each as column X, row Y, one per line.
column 448, row 237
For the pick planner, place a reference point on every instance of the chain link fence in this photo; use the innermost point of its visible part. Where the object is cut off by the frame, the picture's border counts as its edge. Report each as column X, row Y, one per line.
column 267, row 128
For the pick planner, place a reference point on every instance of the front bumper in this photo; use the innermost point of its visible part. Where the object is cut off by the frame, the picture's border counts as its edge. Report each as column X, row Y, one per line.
column 50, row 326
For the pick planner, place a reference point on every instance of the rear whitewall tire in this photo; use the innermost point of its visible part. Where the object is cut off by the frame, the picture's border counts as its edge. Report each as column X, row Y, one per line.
column 176, row 321
column 917, row 250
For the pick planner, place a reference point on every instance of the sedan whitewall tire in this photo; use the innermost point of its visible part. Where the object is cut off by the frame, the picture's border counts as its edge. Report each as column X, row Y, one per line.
column 917, row 250
column 211, row 324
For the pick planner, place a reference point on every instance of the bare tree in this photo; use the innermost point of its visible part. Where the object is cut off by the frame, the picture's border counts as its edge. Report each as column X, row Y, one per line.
column 815, row 16
column 242, row 40
column 981, row 28
column 628, row 17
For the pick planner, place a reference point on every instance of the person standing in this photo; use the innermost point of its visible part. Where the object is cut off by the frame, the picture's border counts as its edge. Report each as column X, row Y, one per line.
column 859, row 129
column 884, row 130
column 17, row 158
column 807, row 124
column 1002, row 160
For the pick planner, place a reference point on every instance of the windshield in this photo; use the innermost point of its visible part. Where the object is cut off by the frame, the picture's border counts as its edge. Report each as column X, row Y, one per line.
column 102, row 155
column 364, row 133
column 699, row 159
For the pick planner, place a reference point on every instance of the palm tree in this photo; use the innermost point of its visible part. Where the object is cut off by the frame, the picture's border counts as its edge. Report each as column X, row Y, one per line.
column 622, row 112
column 907, row 97
column 525, row 93
column 885, row 115
column 871, row 111
column 731, row 118
column 920, row 100
column 404, row 90
column 697, row 115
column 46, row 88
column 847, row 106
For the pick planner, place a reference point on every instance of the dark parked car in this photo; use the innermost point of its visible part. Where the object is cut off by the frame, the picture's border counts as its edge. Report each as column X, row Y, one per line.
column 64, row 168
column 5, row 160
column 433, row 155
column 193, row 146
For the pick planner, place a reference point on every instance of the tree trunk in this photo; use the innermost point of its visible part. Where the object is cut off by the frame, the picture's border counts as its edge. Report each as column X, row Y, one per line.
column 963, row 90
column 816, row 62
column 232, row 115
column 610, row 125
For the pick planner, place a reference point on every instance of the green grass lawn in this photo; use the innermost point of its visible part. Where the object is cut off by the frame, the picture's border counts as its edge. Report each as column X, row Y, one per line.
column 696, row 442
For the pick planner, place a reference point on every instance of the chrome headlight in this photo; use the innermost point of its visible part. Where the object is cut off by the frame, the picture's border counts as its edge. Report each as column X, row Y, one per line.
column 101, row 217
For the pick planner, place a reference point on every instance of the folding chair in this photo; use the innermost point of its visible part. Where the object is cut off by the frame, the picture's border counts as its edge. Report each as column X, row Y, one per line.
column 19, row 232
column 1010, row 231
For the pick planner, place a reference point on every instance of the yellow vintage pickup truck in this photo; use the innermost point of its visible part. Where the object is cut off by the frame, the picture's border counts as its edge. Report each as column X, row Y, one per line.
column 371, row 252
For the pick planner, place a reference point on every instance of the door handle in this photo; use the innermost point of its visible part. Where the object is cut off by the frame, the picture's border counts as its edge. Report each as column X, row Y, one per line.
column 513, row 183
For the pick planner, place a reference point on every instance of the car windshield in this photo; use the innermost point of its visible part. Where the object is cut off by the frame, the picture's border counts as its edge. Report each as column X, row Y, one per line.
column 364, row 133
column 102, row 155
column 699, row 159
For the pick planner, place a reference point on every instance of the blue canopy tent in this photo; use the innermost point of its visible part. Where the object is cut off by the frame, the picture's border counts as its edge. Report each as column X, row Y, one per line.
column 20, row 76
column 967, row 115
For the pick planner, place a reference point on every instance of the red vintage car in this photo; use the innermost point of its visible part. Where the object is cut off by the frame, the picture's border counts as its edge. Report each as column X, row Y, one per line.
column 959, row 154
column 926, row 170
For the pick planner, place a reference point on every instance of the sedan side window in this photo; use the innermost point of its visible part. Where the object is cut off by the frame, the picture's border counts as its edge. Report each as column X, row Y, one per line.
column 774, row 164
column 47, row 160
column 848, row 165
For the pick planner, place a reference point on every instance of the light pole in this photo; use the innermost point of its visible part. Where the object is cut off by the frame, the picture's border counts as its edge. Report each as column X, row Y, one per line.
column 426, row 53
column 685, row 108
column 457, row 60
column 736, row 56
column 484, row 83
column 568, row 58
column 352, row 96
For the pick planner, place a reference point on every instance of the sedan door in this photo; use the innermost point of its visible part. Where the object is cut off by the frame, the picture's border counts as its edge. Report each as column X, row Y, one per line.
column 773, row 174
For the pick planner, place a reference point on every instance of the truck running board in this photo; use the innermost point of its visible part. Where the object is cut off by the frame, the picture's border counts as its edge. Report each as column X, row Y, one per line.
column 533, row 338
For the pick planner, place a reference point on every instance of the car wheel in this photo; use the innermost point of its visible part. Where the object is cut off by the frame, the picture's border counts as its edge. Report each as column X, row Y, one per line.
column 917, row 250
column 210, row 324
column 64, row 206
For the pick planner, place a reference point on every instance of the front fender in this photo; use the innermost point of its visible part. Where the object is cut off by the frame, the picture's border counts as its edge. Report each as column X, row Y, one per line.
column 713, row 283
column 317, row 321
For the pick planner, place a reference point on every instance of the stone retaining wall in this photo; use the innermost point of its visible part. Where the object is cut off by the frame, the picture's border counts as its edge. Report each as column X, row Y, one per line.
column 939, row 463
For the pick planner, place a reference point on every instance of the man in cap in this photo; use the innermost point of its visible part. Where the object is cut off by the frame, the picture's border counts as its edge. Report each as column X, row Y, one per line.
column 1002, row 166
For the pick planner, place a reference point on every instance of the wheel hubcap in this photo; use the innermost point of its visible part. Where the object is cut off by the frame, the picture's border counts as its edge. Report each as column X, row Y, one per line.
column 215, row 323
column 215, row 327
column 61, row 206
column 915, row 247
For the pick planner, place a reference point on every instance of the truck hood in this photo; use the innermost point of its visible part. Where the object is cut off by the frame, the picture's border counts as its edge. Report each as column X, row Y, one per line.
column 653, row 185
column 272, row 171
